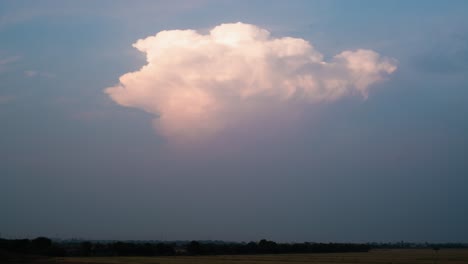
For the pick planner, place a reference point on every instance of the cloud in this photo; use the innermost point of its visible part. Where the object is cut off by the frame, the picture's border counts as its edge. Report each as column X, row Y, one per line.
column 8, row 60
column 4, row 99
column 445, row 55
column 197, row 85
column 90, row 115
column 33, row 73
column 30, row 74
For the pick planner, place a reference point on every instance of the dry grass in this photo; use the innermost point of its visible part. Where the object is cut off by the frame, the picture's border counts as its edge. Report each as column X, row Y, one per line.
column 404, row 256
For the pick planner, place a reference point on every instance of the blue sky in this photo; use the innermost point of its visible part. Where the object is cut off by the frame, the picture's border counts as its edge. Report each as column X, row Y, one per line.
column 74, row 163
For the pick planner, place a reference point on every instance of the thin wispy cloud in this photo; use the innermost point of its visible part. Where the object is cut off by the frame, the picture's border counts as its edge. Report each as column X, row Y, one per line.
column 34, row 73
column 4, row 62
column 4, row 99
column 90, row 115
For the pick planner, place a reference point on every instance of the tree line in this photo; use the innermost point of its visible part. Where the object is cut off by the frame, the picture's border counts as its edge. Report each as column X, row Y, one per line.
column 47, row 247
column 38, row 246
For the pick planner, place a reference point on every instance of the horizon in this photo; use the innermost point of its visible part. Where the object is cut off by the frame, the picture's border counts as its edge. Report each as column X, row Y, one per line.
column 405, row 244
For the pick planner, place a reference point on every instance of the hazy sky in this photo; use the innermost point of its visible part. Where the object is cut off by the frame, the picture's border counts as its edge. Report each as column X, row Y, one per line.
column 308, row 121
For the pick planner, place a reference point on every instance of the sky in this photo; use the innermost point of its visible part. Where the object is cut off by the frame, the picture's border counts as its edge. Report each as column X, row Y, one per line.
column 326, row 121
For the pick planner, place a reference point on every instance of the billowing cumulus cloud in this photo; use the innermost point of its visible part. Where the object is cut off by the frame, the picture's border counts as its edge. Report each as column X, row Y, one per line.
column 199, row 84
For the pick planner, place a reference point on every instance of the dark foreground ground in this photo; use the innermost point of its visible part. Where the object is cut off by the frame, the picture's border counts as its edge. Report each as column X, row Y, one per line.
column 402, row 256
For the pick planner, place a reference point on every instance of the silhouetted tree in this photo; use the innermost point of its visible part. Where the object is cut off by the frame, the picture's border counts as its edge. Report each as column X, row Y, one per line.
column 86, row 248
column 194, row 248
column 41, row 243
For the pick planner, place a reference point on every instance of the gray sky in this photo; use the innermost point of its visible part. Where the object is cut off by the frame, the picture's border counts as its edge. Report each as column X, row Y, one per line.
column 74, row 162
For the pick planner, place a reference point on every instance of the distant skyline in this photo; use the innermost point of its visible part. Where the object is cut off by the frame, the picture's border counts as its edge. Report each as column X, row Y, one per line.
column 327, row 121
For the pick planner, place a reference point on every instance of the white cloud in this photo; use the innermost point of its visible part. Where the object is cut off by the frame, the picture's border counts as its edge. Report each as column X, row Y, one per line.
column 197, row 85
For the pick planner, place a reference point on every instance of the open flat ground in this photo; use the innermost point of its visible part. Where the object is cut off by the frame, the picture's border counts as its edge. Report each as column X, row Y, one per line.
column 404, row 256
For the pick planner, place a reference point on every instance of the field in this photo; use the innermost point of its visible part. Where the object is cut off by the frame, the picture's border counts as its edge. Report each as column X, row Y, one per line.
column 404, row 256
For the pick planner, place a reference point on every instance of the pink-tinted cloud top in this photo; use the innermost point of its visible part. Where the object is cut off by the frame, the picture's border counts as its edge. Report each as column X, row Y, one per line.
column 199, row 84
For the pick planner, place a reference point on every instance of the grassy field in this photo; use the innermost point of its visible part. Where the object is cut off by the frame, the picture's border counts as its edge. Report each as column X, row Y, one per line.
column 405, row 256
